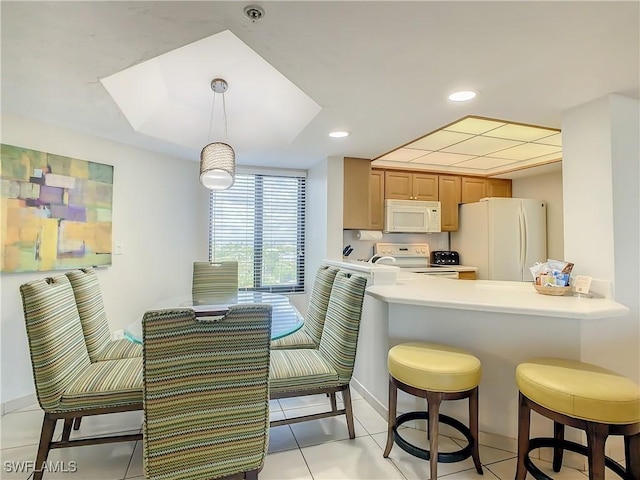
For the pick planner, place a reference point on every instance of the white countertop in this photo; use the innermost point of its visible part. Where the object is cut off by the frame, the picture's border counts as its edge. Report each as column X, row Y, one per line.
column 401, row 287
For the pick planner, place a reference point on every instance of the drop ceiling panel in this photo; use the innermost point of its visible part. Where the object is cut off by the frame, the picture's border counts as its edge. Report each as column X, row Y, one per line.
column 484, row 163
column 443, row 158
column 552, row 140
column 475, row 126
column 439, row 140
column 526, row 151
column 481, row 146
column 404, row 155
column 520, row 132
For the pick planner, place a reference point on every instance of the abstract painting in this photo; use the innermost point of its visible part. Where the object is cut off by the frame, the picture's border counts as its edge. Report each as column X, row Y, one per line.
column 56, row 211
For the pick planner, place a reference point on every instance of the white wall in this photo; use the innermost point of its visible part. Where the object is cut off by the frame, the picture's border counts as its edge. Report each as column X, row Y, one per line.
column 547, row 187
column 160, row 215
column 601, row 198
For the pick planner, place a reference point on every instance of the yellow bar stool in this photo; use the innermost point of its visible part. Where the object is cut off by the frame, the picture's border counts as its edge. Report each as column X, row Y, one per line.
column 584, row 396
column 435, row 372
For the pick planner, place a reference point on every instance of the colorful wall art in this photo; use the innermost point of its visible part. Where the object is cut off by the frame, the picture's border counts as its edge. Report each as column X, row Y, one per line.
column 56, row 211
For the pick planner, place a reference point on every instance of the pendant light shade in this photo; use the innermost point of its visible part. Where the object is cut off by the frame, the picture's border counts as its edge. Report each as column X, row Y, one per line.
column 217, row 166
column 217, row 159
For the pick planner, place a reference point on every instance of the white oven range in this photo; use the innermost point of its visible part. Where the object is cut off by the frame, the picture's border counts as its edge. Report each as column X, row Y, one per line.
column 411, row 257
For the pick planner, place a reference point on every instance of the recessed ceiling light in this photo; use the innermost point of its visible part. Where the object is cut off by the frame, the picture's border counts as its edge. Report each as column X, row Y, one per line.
column 339, row 134
column 462, row 96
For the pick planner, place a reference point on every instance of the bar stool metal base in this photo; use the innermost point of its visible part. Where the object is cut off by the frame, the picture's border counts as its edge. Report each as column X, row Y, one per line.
column 443, row 457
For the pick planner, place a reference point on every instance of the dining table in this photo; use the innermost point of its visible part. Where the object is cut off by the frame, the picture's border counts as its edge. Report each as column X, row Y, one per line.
column 285, row 319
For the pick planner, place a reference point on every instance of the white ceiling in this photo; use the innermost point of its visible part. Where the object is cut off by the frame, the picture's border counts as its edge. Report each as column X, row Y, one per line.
column 380, row 70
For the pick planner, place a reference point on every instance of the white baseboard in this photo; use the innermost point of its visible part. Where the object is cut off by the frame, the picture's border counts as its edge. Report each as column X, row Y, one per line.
column 17, row 403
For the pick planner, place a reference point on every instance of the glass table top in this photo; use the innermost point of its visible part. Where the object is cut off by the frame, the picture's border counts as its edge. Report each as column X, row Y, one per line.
column 285, row 318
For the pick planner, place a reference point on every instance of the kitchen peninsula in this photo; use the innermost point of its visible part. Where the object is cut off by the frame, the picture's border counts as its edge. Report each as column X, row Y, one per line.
column 502, row 323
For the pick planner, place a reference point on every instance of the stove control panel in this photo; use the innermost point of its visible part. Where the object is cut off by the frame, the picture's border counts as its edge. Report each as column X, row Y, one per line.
column 402, row 249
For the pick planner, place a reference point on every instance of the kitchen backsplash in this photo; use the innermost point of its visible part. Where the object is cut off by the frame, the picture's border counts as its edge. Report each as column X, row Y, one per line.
column 363, row 249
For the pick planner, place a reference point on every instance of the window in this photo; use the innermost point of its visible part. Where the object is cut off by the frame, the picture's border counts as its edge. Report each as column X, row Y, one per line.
column 259, row 222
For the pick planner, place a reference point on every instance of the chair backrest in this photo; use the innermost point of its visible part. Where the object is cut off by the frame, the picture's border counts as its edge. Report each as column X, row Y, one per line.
column 56, row 343
column 93, row 315
column 342, row 325
column 206, row 392
column 216, row 278
column 319, row 301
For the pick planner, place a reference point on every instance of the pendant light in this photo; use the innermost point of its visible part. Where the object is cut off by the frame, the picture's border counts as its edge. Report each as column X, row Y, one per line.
column 217, row 159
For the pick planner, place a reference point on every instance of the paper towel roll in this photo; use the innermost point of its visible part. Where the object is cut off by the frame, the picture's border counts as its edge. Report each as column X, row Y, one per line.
column 369, row 235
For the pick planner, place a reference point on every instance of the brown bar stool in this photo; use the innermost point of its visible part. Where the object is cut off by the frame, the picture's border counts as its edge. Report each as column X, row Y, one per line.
column 584, row 396
column 435, row 372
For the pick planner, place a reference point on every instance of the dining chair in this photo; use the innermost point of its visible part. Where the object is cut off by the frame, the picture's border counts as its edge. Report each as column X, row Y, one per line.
column 93, row 316
column 309, row 335
column 95, row 327
column 206, row 393
column 68, row 384
column 328, row 368
column 217, row 278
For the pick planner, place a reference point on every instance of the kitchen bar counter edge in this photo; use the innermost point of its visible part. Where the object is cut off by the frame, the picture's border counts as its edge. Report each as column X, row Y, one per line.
column 391, row 285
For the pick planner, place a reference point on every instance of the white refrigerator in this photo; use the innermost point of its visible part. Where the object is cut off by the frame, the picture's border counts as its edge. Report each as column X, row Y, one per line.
column 503, row 237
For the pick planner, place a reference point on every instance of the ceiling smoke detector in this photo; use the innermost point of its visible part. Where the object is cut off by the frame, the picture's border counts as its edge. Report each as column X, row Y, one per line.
column 254, row 12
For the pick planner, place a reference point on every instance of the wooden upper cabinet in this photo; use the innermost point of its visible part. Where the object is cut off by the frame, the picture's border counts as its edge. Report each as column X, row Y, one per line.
column 357, row 193
column 376, row 200
column 473, row 189
column 498, row 187
column 449, row 188
column 410, row 186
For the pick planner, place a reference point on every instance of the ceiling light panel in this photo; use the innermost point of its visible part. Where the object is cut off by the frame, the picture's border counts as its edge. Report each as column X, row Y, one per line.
column 474, row 125
column 527, row 151
column 439, row 140
column 481, row 146
column 404, row 155
column 552, row 140
column 443, row 158
column 484, row 163
column 520, row 132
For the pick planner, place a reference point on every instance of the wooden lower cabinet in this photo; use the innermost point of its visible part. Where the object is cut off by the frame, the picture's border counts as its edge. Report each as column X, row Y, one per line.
column 449, row 189
column 466, row 275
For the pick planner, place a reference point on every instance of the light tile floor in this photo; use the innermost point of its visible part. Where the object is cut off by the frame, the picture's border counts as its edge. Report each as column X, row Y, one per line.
column 315, row 450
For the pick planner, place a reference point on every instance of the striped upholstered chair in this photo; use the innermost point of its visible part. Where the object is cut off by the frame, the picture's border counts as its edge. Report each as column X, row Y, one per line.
column 328, row 368
column 206, row 393
column 93, row 316
column 214, row 279
column 311, row 332
column 68, row 384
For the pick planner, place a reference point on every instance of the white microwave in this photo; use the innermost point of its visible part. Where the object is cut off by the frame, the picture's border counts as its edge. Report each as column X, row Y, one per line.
column 411, row 216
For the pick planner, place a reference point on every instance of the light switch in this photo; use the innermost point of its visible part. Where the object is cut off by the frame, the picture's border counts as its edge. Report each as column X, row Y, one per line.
column 118, row 249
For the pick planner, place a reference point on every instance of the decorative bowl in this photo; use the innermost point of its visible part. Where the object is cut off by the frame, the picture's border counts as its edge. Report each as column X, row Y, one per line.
column 557, row 291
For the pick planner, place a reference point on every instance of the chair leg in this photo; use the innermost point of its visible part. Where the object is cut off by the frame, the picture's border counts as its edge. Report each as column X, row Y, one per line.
column 66, row 431
column 334, row 403
column 76, row 424
column 596, row 438
column 473, row 428
column 251, row 475
column 433, row 404
column 48, row 427
column 346, row 397
column 558, row 435
column 391, row 420
column 524, row 417
column 632, row 455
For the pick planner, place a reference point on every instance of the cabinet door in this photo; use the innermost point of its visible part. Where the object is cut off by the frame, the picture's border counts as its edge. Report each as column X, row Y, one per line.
column 357, row 172
column 425, row 187
column 377, row 200
column 449, row 188
column 398, row 185
column 498, row 187
column 473, row 189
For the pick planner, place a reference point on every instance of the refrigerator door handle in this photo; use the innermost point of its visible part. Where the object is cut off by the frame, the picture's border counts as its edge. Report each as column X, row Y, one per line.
column 523, row 240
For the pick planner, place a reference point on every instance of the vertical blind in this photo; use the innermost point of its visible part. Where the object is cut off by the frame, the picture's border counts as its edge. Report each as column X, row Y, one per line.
column 260, row 223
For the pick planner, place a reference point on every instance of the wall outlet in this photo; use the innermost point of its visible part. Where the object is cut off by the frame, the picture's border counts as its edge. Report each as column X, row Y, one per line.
column 117, row 335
